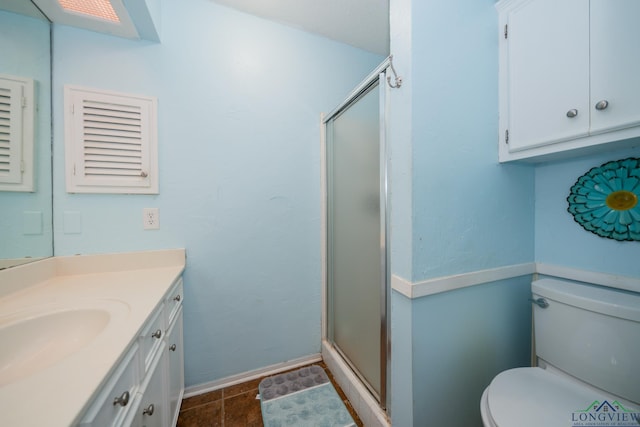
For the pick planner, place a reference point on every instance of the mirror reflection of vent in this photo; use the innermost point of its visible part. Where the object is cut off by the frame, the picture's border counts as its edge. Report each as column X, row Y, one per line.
column 111, row 142
column 8, row 120
column 16, row 133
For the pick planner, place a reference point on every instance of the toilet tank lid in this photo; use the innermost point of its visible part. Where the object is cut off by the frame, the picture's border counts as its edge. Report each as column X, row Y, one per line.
column 600, row 299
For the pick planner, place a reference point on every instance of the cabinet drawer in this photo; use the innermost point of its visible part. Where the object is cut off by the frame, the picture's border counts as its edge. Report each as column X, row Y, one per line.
column 151, row 338
column 173, row 301
column 116, row 399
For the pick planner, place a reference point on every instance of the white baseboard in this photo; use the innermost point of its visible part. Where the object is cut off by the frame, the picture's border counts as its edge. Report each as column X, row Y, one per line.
column 251, row 375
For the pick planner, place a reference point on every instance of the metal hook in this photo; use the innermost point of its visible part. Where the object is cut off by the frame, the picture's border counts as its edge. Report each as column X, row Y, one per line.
column 398, row 79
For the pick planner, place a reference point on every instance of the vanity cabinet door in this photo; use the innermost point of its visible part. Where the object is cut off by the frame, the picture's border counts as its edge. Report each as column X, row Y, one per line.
column 176, row 368
column 152, row 411
column 615, row 64
column 547, row 43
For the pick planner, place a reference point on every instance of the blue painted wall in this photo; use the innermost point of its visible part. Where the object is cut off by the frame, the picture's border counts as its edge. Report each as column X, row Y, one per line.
column 400, row 147
column 468, row 213
column 462, row 339
column 562, row 241
column 25, row 52
column 402, row 360
column 400, row 140
column 239, row 147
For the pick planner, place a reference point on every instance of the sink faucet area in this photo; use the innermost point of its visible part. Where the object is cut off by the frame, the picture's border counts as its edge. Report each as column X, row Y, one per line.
column 65, row 326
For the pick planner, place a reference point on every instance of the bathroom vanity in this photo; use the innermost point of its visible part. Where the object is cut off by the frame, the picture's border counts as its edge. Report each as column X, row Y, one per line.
column 92, row 340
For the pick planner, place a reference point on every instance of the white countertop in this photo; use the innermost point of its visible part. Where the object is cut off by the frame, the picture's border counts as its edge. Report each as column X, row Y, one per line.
column 132, row 284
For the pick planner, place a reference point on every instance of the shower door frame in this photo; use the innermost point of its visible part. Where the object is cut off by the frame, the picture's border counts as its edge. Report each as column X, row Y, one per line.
column 379, row 77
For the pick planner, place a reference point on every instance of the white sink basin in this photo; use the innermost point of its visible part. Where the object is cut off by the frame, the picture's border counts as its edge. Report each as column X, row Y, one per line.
column 33, row 342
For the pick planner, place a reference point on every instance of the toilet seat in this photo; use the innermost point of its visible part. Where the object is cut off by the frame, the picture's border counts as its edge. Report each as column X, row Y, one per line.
column 534, row 397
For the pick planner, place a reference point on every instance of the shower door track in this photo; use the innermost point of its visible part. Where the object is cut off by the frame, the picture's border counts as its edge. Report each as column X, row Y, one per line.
column 357, row 373
column 359, row 90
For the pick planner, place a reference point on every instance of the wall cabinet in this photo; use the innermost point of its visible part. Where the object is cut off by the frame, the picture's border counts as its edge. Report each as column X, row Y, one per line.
column 568, row 77
column 146, row 388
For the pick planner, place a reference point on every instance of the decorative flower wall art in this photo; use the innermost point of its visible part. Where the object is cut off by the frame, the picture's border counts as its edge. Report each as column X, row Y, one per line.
column 605, row 200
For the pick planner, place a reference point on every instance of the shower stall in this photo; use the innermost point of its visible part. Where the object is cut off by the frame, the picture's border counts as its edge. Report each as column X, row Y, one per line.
column 356, row 323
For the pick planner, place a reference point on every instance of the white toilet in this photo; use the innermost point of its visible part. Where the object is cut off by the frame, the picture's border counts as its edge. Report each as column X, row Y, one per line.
column 587, row 341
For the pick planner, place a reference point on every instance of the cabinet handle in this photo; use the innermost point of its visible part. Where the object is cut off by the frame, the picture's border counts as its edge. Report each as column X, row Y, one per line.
column 602, row 105
column 122, row 400
column 572, row 113
column 173, row 347
column 148, row 410
column 177, row 298
column 157, row 334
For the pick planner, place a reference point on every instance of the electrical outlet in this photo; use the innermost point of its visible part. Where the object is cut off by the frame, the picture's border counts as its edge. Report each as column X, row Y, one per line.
column 150, row 218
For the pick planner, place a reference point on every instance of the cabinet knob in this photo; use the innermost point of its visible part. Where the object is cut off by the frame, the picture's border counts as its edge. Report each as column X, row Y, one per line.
column 572, row 113
column 177, row 298
column 122, row 400
column 157, row 334
column 602, row 105
column 148, row 410
column 173, row 347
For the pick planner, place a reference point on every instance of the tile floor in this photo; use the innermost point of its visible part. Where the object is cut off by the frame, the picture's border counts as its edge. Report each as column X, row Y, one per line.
column 236, row 406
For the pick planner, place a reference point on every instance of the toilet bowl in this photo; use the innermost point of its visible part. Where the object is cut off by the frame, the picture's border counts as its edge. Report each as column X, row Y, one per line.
column 528, row 397
column 588, row 351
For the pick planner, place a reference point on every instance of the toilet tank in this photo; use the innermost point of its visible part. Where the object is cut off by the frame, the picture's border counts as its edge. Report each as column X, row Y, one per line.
column 590, row 332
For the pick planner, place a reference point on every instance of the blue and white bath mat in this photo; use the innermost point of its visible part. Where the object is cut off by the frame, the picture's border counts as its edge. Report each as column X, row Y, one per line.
column 302, row 398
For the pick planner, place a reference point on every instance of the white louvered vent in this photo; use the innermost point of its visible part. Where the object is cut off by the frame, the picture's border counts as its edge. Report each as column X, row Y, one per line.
column 111, row 142
column 16, row 133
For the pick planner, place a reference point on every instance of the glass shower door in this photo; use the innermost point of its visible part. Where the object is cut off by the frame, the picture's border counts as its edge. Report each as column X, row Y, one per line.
column 356, row 237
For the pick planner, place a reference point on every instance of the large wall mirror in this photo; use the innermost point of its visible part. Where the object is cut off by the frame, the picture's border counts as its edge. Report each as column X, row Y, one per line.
column 26, row 231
